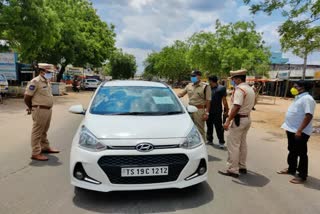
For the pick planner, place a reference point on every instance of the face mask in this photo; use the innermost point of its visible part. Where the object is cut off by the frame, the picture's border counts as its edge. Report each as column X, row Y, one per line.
column 194, row 79
column 294, row 91
column 48, row 76
column 233, row 83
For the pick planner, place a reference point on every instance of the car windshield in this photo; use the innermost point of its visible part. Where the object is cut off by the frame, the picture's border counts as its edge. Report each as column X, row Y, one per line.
column 135, row 100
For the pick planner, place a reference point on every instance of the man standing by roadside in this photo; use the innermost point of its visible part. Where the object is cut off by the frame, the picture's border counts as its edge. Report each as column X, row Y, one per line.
column 298, row 126
column 242, row 103
column 199, row 96
column 39, row 100
column 219, row 96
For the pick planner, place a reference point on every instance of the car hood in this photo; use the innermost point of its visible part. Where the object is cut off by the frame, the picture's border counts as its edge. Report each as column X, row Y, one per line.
column 138, row 127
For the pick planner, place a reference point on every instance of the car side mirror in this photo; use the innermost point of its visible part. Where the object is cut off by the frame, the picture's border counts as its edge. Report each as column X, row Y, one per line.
column 77, row 109
column 192, row 109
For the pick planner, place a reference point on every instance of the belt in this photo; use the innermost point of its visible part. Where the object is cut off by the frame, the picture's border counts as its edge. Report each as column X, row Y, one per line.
column 200, row 106
column 241, row 116
column 42, row 107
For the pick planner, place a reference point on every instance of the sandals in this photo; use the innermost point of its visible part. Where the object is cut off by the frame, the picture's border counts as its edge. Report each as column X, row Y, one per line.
column 298, row 181
column 284, row 172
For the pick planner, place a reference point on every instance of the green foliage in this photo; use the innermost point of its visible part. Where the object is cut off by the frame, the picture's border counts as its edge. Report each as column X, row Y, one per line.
column 122, row 65
column 58, row 32
column 231, row 47
column 28, row 26
column 171, row 62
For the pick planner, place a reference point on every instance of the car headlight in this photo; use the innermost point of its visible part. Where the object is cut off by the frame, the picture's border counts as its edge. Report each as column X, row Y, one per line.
column 88, row 141
column 193, row 139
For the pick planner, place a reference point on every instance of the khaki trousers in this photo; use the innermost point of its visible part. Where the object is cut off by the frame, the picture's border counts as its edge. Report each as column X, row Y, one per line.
column 197, row 118
column 237, row 145
column 41, row 123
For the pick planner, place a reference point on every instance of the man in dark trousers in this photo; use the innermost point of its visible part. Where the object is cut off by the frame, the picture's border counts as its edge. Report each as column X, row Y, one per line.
column 298, row 126
column 219, row 97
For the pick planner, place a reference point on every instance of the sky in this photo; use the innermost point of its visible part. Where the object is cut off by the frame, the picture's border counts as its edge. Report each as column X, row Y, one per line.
column 143, row 26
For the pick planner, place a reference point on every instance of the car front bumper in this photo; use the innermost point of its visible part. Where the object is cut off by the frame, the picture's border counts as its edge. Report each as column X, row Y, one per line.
column 90, row 163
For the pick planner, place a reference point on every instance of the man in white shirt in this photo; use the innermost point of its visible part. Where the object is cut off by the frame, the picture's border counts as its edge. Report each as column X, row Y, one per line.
column 298, row 126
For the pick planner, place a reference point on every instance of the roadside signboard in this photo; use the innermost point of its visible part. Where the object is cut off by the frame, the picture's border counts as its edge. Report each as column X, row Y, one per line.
column 8, row 65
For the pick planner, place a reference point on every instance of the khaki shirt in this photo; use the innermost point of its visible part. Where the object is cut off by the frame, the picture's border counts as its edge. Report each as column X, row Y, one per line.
column 196, row 93
column 40, row 90
column 243, row 96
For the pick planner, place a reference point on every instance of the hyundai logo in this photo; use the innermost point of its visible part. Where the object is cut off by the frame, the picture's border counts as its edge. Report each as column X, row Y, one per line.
column 144, row 147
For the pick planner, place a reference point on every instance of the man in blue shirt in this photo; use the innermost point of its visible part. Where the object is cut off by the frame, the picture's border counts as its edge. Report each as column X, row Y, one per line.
column 298, row 126
column 219, row 94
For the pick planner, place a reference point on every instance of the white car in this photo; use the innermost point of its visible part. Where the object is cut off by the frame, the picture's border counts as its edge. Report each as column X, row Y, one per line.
column 90, row 83
column 136, row 135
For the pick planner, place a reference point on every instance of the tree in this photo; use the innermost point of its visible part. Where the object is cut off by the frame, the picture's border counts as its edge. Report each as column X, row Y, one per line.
column 204, row 52
column 85, row 38
column 171, row 62
column 123, row 66
column 241, row 46
column 58, row 32
column 28, row 26
column 300, row 32
column 232, row 46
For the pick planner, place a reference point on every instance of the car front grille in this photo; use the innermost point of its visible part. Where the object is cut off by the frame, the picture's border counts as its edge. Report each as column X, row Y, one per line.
column 112, row 165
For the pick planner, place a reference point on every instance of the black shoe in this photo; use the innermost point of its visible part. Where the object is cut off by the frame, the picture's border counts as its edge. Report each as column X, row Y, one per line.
column 209, row 143
column 234, row 175
column 253, row 109
column 243, row 171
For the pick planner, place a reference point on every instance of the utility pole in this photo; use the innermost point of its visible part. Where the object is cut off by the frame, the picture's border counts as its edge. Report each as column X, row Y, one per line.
column 287, row 85
column 305, row 58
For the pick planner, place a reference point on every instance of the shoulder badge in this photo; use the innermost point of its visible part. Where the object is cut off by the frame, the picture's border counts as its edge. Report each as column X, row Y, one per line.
column 32, row 87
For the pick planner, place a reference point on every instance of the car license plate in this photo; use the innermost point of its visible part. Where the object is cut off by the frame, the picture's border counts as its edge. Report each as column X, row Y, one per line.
column 144, row 171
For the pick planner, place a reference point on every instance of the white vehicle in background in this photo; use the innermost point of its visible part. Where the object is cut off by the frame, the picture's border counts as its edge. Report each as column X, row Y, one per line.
column 136, row 135
column 90, row 84
column 4, row 85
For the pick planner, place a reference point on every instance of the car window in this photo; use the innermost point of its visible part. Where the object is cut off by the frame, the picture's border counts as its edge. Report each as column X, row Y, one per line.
column 135, row 100
column 91, row 81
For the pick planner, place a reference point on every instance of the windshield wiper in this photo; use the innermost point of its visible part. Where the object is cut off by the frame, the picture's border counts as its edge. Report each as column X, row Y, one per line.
column 170, row 113
column 133, row 113
column 147, row 113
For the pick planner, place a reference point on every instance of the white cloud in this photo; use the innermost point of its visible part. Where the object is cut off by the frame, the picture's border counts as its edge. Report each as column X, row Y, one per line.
column 270, row 34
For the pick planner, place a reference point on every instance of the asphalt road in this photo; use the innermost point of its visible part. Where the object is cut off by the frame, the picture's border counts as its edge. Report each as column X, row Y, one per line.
column 29, row 187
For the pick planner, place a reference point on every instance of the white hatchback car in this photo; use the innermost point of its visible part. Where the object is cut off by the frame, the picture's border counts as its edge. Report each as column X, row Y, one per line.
column 136, row 135
column 90, row 84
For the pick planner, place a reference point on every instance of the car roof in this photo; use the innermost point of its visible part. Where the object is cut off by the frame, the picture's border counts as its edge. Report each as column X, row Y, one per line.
column 134, row 83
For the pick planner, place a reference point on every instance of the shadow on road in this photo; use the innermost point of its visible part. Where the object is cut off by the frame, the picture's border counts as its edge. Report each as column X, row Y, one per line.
column 213, row 158
column 53, row 161
column 312, row 183
column 153, row 201
column 252, row 179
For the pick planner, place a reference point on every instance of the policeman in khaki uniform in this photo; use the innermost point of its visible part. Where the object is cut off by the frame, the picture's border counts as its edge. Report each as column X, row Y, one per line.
column 199, row 96
column 238, row 124
column 39, row 100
